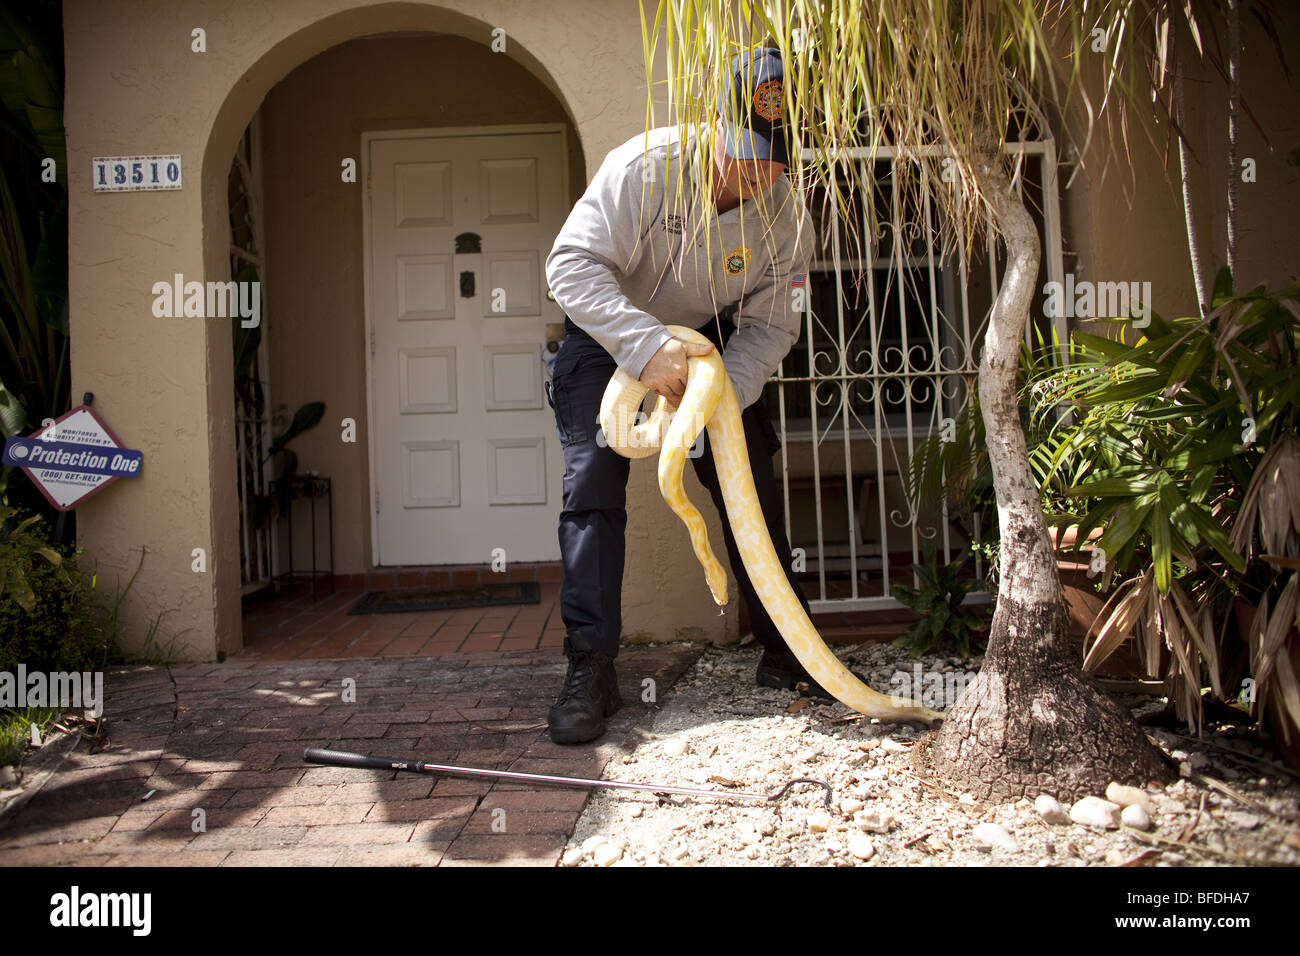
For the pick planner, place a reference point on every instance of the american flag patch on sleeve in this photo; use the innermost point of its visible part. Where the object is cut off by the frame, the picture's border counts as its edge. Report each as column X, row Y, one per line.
column 797, row 280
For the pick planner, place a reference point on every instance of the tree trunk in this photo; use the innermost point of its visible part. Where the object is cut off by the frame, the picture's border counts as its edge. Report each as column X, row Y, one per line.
column 1032, row 722
column 1234, row 106
column 1194, row 244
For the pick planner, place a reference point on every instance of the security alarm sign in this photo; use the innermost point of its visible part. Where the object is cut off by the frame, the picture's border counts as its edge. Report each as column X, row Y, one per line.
column 72, row 458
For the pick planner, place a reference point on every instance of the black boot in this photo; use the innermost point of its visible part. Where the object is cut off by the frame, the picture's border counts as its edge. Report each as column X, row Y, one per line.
column 782, row 670
column 590, row 695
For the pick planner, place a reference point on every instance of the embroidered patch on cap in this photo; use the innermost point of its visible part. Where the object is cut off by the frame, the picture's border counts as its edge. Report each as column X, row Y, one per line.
column 767, row 100
column 737, row 260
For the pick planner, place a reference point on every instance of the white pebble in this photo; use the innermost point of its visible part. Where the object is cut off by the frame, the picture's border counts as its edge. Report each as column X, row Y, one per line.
column 1096, row 812
column 874, row 821
column 851, row 806
column 589, row 845
column 606, row 854
column 819, row 821
column 994, row 835
column 891, row 746
column 1050, row 809
column 1246, row 821
column 1135, row 816
column 1128, row 796
column 675, row 747
column 861, row 847
column 572, row 856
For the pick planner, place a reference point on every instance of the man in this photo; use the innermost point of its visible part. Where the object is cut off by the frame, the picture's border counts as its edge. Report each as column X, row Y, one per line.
column 636, row 254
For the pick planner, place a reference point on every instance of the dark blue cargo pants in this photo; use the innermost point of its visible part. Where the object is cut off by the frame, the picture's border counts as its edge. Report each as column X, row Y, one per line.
column 593, row 518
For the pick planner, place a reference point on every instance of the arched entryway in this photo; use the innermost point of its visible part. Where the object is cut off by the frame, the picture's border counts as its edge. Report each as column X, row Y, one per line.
column 373, row 160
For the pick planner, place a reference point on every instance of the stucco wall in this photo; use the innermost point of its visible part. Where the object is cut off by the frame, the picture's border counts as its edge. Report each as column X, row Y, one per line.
column 1124, row 217
column 135, row 85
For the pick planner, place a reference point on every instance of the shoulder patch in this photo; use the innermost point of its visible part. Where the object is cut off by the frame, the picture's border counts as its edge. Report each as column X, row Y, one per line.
column 737, row 260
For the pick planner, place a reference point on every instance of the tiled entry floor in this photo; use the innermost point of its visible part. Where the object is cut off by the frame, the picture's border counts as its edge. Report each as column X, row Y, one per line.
column 298, row 628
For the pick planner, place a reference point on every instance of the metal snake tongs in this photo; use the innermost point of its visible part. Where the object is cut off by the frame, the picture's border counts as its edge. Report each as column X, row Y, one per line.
column 345, row 759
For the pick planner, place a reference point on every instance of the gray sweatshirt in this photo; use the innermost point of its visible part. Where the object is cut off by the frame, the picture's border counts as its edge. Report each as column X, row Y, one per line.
column 633, row 257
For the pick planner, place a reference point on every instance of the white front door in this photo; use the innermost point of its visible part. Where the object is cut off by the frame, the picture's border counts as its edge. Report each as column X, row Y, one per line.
column 464, row 453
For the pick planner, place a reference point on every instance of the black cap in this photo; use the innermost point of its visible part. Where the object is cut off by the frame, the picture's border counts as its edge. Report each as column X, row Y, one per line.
column 752, row 107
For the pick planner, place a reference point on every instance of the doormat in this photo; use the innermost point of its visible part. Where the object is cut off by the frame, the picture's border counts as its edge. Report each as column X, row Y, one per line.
column 406, row 600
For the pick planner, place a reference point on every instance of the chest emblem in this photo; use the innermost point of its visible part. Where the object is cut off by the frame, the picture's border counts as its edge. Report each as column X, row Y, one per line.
column 674, row 224
column 737, row 260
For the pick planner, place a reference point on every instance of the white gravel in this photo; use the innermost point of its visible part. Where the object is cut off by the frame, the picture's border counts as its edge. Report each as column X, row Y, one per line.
column 716, row 730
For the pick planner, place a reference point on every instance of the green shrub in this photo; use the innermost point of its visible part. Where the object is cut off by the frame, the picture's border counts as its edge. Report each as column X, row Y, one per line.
column 944, row 620
column 1183, row 452
column 16, row 730
column 48, row 618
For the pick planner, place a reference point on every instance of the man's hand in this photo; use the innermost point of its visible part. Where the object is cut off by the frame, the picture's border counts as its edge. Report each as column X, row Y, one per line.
column 665, row 373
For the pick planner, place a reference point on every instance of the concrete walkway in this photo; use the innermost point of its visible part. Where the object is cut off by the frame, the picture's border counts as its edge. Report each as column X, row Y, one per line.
column 202, row 765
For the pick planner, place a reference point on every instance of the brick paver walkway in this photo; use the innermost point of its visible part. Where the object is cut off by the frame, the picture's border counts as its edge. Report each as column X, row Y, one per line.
column 222, row 744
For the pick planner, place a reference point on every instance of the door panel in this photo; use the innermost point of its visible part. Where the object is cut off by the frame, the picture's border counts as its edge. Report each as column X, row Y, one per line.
column 466, row 457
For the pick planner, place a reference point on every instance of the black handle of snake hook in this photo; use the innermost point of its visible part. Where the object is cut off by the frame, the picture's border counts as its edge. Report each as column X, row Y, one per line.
column 340, row 758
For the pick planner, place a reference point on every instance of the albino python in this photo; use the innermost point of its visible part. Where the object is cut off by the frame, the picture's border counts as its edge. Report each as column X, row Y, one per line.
column 710, row 400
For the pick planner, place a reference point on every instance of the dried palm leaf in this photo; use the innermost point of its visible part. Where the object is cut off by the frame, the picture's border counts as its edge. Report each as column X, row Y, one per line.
column 1289, row 693
column 1272, row 503
column 1275, row 628
column 1184, row 667
column 1130, row 599
column 1202, row 638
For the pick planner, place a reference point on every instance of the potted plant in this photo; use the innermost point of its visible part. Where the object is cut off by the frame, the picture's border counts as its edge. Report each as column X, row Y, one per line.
column 1184, row 460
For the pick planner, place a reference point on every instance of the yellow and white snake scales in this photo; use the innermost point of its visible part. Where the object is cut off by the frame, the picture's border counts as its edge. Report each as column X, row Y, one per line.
column 710, row 401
